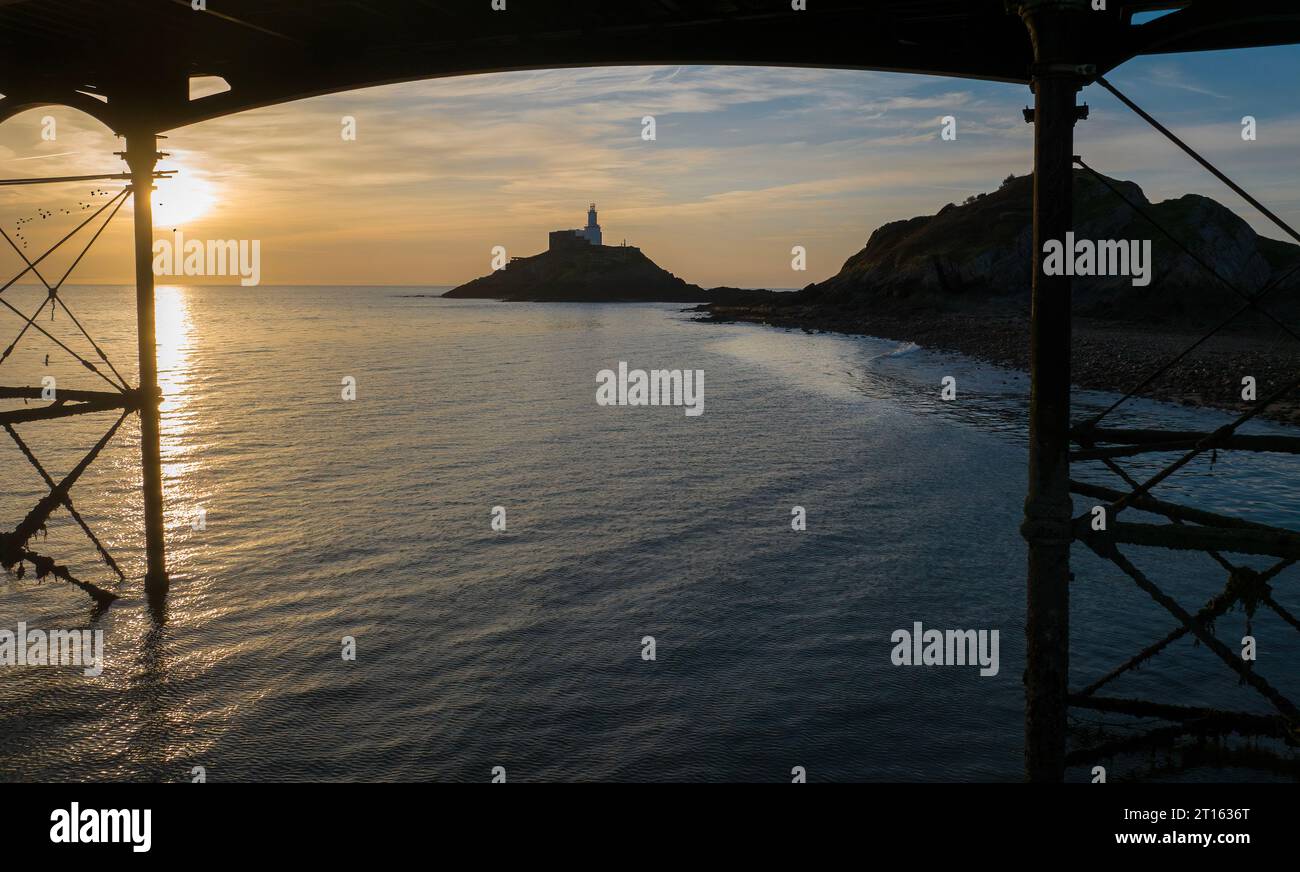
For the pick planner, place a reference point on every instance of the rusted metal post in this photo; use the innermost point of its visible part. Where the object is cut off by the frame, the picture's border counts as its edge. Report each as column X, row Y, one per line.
column 142, row 156
column 1056, row 80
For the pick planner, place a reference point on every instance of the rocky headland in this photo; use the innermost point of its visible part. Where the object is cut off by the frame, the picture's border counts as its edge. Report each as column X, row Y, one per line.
column 594, row 274
column 960, row 279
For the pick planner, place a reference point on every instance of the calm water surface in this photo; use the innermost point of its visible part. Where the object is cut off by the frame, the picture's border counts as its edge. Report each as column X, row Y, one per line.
column 522, row 649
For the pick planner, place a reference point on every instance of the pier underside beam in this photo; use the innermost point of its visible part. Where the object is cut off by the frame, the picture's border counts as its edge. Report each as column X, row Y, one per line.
column 68, row 405
column 1156, row 441
column 1175, row 511
column 1265, row 543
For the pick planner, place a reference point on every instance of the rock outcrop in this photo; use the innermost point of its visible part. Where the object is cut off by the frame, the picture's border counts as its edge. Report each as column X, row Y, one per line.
column 585, row 273
column 977, row 257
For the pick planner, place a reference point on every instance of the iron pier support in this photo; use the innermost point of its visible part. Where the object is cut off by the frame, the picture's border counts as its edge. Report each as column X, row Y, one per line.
column 142, row 156
column 1047, row 528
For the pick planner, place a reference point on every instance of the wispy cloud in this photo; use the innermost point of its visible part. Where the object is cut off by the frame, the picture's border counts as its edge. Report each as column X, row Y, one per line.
column 1170, row 75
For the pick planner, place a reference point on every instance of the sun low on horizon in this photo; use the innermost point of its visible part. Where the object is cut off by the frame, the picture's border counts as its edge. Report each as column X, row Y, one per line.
column 183, row 198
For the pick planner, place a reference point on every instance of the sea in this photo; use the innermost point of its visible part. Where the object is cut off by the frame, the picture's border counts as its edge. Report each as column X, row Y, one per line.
column 470, row 569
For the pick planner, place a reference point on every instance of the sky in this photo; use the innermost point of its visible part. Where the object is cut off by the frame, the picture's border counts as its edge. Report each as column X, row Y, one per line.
column 747, row 163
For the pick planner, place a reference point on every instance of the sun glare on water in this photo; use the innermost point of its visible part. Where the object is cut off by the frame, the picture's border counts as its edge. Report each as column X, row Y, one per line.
column 181, row 199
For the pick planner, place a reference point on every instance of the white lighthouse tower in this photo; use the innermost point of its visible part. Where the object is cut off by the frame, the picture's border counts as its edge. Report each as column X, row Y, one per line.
column 592, row 230
column 565, row 239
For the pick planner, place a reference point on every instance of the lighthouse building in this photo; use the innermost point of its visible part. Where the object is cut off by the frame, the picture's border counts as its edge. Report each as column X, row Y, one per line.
column 589, row 235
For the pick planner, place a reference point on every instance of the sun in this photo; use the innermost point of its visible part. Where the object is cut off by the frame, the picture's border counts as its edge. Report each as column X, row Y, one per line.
column 182, row 198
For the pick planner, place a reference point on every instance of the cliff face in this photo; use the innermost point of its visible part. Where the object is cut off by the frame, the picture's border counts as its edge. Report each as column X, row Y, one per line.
column 977, row 256
column 585, row 273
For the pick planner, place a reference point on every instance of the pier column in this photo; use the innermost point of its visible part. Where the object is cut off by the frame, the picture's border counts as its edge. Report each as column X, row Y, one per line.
column 1056, row 81
column 142, row 157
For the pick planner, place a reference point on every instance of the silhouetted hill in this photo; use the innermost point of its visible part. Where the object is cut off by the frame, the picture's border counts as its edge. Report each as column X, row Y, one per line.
column 960, row 281
column 977, row 256
column 593, row 274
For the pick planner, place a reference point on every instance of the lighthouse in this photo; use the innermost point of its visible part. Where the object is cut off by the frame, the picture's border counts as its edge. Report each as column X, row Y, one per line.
column 592, row 230
column 589, row 235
